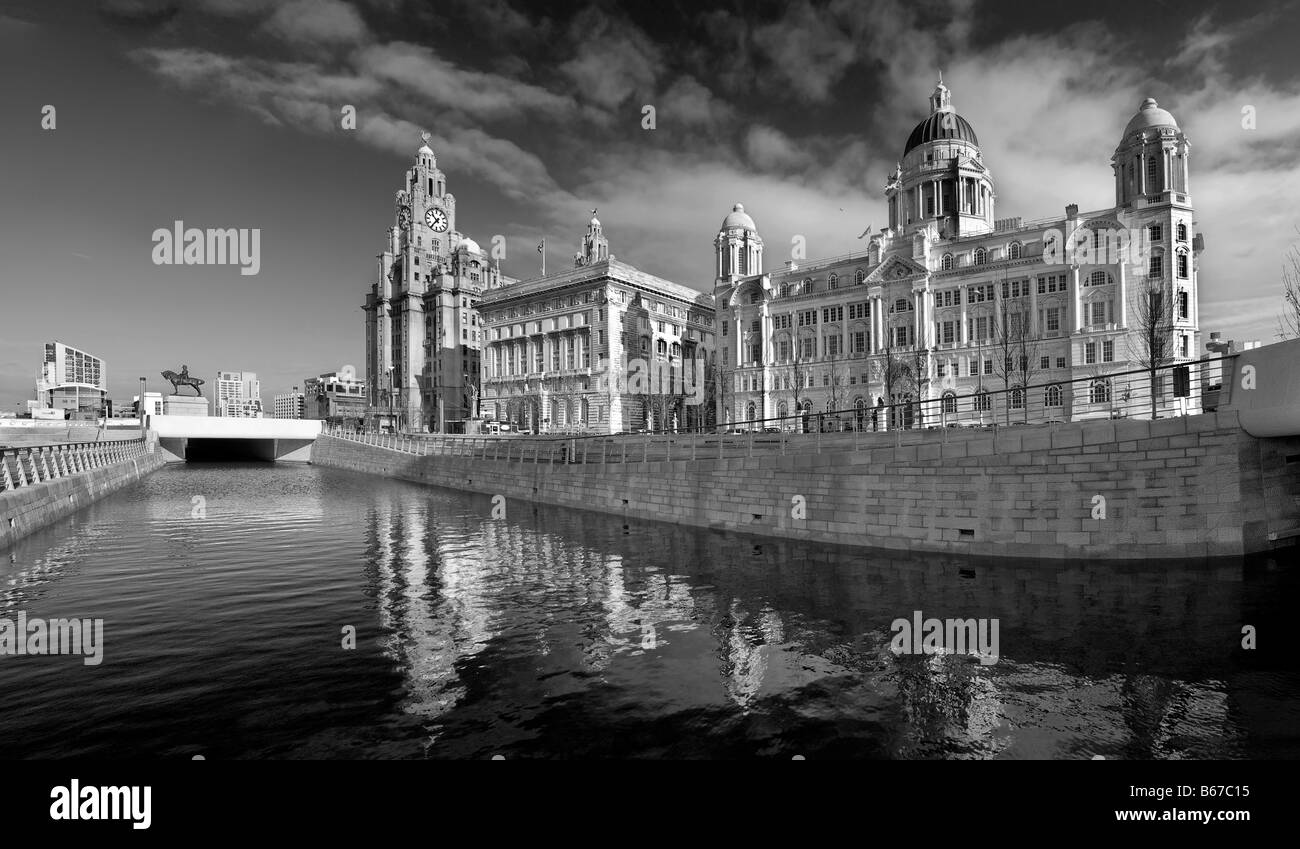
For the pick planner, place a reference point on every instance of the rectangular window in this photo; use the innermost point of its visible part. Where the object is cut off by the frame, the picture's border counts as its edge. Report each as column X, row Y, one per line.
column 859, row 342
column 1157, row 232
column 1090, row 352
column 988, row 366
column 1053, row 319
column 1182, row 346
column 832, row 346
column 1182, row 304
column 948, row 333
column 1060, row 362
column 1108, row 351
column 1044, row 362
column 1182, row 266
column 1156, row 266
column 783, row 350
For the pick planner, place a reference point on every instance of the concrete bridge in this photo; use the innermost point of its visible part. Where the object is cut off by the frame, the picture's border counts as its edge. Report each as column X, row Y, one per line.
column 182, row 438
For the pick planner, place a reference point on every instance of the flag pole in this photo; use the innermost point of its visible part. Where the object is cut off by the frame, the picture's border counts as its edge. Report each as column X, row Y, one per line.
column 542, row 249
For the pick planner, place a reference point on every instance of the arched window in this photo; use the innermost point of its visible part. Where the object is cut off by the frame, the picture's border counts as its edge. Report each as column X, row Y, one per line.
column 1098, row 278
column 807, row 286
column 586, row 411
column 982, row 401
column 751, row 411
column 833, row 282
column 950, row 402
column 1014, row 251
column 1180, row 261
column 785, row 290
column 1017, row 398
column 981, row 256
column 807, row 406
column 946, row 263
column 782, row 410
column 555, row 412
column 859, row 277
column 1099, row 392
column 860, row 411
column 1052, row 396
column 1182, row 232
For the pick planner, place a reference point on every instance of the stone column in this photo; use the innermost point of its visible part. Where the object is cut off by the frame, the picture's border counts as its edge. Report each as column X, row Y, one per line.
column 1076, row 295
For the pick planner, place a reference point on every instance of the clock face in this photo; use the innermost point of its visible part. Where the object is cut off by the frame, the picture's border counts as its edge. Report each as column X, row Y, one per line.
column 435, row 218
column 404, row 217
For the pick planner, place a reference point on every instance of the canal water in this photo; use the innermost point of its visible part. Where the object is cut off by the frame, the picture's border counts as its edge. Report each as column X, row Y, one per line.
column 227, row 593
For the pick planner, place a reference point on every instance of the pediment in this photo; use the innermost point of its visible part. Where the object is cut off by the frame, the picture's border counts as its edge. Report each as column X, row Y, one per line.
column 896, row 268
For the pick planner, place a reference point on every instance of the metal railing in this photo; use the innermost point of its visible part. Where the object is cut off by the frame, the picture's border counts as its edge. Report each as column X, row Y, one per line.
column 945, row 417
column 28, row 466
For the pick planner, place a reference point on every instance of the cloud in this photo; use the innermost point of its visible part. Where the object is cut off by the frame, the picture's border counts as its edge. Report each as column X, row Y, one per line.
column 317, row 22
column 769, row 149
column 614, row 60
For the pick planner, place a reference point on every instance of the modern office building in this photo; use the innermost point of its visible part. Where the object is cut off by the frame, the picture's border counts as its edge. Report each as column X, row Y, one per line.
column 71, row 381
column 974, row 315
column 601, row 347
column 336, row 397
column 289, row 405
column 238, row 394
column 422, row 323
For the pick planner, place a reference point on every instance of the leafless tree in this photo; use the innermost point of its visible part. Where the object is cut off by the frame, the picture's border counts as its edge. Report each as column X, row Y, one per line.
column 1016, row 352
column 897, row 376
column 1288, row 322
column 1152, row 341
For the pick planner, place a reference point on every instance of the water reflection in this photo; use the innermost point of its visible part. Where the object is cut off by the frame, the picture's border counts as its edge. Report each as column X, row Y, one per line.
column 559, row 633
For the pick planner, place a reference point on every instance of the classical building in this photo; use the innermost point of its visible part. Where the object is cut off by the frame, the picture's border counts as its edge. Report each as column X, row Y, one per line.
column 336, row 397
column 238, row 394
column 72, row 383
column 951, row 301
column 422, row 328
column 601, row 347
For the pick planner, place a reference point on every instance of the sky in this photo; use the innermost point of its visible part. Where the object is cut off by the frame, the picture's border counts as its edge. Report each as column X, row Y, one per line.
column 228, row 113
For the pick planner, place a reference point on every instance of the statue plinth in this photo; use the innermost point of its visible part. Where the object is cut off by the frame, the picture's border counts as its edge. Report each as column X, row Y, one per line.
column 185, row 405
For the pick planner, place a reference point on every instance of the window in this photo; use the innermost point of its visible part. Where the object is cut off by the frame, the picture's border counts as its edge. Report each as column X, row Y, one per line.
column 1153, row 174
column 988, row 366
column 808, row 348
column 783, row 350
column 1182, row 345
column 1099, row 392
column 754, row 326
column 1053, row 319
column 974, row 368
column 826, row 381
column 1182, row 264
column 833, row 282
column 1156, row 232
column 1017, row 398
column 947, row 334
column 1052, row 396
column 982, row 401
column 981, row 256
column 859, row 342
column 859, row 277
column 1090, row 352
column 755, row 352
column 1044, row 362
column 807, row 317
column 1182, row 305
column 830, row 314
column 1108, row 351
column 1060, row 362
column 1098, row 278
column 946, row 262
column 1156, row 266
column 950, row 402
column 832, row 346
column 782, row 322
column 1015, row 250
column 902, row 305
column 1182, row 232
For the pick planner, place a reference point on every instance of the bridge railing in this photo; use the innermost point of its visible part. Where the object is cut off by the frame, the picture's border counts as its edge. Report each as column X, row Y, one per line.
column 30, row 465
column 944, row 415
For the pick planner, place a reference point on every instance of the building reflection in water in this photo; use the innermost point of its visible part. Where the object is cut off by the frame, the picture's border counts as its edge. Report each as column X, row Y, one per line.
column 559, row 615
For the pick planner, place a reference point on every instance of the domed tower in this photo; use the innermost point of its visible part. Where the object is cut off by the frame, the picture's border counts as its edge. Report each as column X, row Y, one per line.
column 595, row 247
column 1150, row 162
column 738, row 248
column 941, row 179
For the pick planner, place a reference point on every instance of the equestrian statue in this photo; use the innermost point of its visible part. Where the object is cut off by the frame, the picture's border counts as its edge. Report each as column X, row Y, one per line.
column 183, row 379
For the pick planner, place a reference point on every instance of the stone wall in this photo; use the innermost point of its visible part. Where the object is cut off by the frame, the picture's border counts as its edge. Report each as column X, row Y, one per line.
column 1187, row 487
column 30, row 508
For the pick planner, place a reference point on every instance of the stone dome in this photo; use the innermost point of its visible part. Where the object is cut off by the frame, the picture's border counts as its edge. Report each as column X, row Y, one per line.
column 1149, row 115
column 738, row 218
